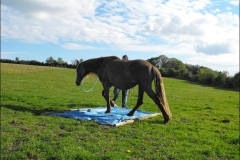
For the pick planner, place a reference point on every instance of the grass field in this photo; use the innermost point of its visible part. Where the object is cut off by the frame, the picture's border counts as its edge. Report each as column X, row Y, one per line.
column 205, row 122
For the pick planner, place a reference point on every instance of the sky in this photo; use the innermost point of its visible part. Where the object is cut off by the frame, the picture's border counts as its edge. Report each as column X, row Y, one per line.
column 197, row 32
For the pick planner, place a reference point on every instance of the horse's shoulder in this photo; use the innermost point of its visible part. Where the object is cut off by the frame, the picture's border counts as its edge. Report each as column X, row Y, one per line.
column 110, row 58
column 141, row 62
column 114, row 58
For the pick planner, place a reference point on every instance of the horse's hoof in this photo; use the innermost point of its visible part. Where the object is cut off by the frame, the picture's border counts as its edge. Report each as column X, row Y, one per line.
column 130, row 114
column 107, row 111
column 166, row 121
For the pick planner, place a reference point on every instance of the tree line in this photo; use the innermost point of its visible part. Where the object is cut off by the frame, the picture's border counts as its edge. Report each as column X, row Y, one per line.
column 172, row 67
column 169, row 67
column 49, row 62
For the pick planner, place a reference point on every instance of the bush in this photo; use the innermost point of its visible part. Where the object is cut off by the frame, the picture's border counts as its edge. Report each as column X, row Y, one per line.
column 163, row 72
column 183, row 74
column 236, row 81
column 229, row 82
column 221, row 79
column 206, row 76
column 172, row 72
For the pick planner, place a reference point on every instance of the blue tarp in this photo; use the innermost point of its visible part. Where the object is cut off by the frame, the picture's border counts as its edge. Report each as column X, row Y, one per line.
column 117, row 115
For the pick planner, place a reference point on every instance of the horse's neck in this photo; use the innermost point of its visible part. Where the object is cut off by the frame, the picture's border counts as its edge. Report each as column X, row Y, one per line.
column 94, row 64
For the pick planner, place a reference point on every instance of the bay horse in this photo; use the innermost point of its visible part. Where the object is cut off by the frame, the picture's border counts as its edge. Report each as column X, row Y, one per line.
column 112, row 71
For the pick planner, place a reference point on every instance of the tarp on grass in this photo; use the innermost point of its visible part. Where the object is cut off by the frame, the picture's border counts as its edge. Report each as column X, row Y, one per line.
column 115, row 118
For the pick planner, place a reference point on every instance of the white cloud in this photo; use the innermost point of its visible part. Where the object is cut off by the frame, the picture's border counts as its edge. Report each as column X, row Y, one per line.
column 7, row 55
column 56, row 21
column 223, row 62
column 53, row 7
column 213, row 49
column 182, row 27
column 234, row 2
column 75, row 46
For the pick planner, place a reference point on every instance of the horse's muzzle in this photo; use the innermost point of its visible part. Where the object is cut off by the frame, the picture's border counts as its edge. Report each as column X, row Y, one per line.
column 78, row 83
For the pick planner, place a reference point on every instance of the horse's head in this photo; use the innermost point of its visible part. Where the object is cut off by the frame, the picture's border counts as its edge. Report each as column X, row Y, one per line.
column 80, row 73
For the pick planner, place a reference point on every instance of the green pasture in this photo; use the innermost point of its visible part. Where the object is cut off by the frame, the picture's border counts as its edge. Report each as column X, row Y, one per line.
column 205, row 122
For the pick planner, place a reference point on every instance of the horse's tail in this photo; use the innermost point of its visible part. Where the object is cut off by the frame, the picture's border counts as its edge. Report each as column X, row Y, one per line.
column 160, row 92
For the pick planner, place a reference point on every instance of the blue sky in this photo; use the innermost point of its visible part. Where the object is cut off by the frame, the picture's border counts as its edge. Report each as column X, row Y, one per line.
column 202, row 32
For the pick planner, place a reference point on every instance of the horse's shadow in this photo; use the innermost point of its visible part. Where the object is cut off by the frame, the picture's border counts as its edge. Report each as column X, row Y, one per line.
column 44, row 111
column 34, row 111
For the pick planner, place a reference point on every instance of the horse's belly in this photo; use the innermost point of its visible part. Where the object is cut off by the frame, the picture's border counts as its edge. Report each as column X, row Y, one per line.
column 124, row 83
column 121, row 78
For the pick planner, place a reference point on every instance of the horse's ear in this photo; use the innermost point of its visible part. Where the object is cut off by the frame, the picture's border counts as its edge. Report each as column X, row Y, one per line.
column 77, row 62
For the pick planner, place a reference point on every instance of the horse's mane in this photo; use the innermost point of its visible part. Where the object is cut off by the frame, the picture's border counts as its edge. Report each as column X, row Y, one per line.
column 102, row 58
column 96, row 60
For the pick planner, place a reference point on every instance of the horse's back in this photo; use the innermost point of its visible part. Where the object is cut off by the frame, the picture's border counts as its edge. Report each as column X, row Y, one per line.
column 141, row 69
column 141, row 63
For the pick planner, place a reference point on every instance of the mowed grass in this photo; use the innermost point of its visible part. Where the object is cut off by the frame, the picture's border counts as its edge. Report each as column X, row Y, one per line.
column 205, row 122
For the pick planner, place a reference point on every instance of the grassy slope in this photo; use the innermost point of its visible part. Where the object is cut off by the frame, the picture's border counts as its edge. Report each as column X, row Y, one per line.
column 205, row 122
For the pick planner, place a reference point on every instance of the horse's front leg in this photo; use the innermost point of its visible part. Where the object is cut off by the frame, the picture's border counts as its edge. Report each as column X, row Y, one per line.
column 105, row 94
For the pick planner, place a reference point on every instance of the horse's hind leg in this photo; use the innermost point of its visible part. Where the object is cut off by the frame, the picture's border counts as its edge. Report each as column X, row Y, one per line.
column 160, row 104
column 139, row 102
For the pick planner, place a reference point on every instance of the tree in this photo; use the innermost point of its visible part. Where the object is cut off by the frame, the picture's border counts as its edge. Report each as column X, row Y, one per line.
column 74, row 62
column 17, row 59
column 221, row 78
column 206, row 76
column 229, row 82
column 163, row 71
column 236, row 80
column 184, row 74
column 163, row 60
column 50, row 60
column 194, row 69
column 172, row 72
column 174, row 63
column 153, row 61
column 159, row 61
column 61, row 62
